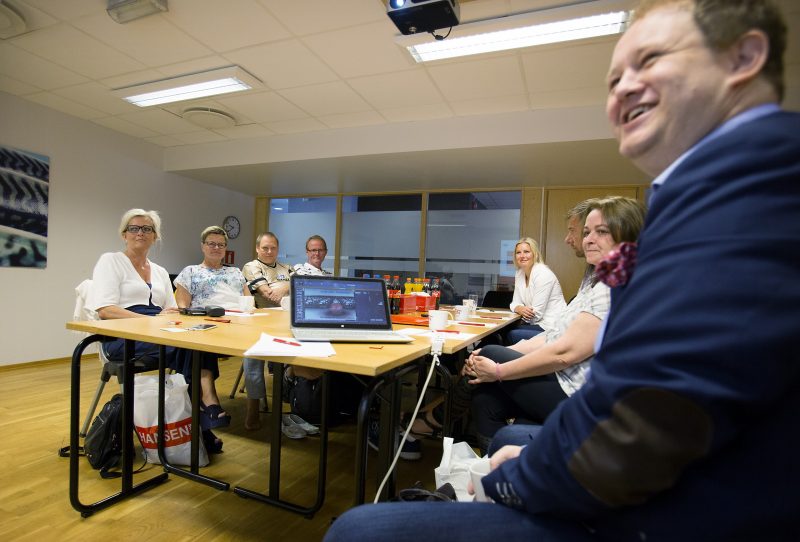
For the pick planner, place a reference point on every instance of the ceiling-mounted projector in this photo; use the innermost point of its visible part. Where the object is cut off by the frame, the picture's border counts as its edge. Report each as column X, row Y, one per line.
column 414, row 16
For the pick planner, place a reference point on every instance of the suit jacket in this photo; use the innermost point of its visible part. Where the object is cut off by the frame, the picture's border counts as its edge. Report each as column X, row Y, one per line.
column 687, row 428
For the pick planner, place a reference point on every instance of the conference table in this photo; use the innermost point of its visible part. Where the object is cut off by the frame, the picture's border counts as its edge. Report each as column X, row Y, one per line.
column 383, row 364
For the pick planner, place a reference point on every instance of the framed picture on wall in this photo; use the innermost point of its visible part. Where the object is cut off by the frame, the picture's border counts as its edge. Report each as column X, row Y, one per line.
column 24, row 198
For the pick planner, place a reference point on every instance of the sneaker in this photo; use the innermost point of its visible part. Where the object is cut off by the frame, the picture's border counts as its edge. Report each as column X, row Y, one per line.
column 412, row 448
column 294, row 419
column 292, row 430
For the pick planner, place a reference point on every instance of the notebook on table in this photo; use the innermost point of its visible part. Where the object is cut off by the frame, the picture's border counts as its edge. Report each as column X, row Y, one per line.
column 341, row 309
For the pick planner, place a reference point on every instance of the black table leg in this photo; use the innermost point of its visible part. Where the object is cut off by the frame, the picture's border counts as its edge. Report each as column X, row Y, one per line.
column 128, row 489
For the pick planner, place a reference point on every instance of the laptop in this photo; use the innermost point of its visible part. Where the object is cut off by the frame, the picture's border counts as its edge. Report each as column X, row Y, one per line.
column 341, row 309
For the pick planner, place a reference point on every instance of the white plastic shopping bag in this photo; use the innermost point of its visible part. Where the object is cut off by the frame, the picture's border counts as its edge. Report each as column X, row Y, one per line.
column 177, row 419
column 454, row 468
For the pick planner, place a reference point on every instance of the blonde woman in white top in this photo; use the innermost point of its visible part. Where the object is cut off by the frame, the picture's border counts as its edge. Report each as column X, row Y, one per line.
column 537, row 293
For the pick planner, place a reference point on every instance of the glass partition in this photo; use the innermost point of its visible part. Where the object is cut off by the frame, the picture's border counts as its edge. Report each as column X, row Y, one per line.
column 380, row 235
column 294, row 220
column 470, row 242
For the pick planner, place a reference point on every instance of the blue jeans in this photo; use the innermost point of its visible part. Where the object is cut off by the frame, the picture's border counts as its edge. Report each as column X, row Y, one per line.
column 254, row 378
column 522, row 332
column 468, row 521
column 516, row 434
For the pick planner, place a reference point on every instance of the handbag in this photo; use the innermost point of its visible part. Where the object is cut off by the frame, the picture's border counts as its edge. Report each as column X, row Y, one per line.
column 177, row 419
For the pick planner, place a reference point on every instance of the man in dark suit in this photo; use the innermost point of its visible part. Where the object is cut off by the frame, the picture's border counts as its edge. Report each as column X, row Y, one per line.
column 687, row 426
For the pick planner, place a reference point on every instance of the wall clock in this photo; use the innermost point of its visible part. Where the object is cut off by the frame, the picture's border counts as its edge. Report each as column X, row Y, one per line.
column 231, row 226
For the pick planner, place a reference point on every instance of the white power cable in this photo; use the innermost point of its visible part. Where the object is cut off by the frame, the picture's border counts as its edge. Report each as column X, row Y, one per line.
column 436, row 349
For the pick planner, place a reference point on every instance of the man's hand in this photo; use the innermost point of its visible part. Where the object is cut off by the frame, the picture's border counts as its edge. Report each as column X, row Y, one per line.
column 277, row 291
column 504, row 454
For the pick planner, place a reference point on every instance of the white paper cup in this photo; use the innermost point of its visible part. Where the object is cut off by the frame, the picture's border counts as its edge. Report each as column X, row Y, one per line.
column 247, row 303
column 286, row 303
column 477, row 471
column 438, row 320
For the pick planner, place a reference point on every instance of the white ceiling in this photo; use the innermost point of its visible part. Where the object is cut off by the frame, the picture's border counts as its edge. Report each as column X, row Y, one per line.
column 343, row 107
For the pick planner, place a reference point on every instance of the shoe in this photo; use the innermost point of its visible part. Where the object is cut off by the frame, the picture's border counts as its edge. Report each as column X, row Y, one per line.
column 431, row 428
column 294, row 419
column 292, row 430
column 412, row 448
column 211, row 442
column 211, row 418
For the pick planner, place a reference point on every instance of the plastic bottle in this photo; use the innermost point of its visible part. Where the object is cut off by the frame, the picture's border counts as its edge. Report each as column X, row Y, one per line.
column 409, row 287
column 436, row 292
column 426, row 286
column 395, row 295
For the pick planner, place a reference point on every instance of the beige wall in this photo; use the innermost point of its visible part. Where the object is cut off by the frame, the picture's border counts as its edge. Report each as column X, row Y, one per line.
column 96, row 175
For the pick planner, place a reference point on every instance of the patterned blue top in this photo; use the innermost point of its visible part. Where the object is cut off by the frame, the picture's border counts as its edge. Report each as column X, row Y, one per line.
column 212, row 286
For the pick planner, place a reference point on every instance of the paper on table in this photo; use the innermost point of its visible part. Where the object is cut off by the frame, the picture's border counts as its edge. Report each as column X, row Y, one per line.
column 448, row 334
column 476, row 324
column 268, row 345
column 174, row 329
column 240, row 314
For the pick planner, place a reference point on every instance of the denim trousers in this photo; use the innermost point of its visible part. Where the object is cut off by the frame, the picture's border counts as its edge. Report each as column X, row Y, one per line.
column 456, row 521
column 515, row 435
column 254, row 382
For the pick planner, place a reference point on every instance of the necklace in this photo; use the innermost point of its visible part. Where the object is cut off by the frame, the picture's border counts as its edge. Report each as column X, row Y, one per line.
column 138, row 266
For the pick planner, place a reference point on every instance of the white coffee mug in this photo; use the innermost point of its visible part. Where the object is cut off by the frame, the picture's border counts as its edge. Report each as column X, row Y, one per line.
column 462, row 311
column 438, row 319
column 477, row 471
column 247, row 303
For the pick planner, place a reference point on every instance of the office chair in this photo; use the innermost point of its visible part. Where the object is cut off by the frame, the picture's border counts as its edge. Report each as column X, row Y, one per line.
column 109, row 368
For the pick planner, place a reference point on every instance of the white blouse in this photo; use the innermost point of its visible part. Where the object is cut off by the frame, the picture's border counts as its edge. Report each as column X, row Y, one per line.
column 116, row 282
column 542, row 294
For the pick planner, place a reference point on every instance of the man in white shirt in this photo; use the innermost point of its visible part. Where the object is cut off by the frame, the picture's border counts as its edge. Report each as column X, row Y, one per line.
column 316, row 250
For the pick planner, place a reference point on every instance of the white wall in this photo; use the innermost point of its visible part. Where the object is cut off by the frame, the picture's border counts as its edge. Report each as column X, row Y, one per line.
column 96, row 175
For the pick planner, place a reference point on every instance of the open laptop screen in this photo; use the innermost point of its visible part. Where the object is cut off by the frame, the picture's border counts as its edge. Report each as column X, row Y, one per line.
column 339, row 302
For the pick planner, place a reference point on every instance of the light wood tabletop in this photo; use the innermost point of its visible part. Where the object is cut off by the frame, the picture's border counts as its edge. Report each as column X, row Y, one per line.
column 234, row 338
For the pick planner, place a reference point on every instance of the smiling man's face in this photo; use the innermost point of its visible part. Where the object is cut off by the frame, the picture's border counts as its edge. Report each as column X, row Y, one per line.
column 666, row 88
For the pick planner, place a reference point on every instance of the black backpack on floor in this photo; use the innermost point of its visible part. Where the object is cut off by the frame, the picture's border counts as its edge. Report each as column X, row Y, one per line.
column 103, row 443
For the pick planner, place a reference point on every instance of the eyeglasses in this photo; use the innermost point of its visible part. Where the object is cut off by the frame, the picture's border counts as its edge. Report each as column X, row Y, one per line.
column 136, row 229
column 317, row 250
column 216, row 245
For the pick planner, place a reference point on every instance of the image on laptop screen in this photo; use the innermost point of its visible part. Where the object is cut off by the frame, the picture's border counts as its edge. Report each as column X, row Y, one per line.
column 339, row 302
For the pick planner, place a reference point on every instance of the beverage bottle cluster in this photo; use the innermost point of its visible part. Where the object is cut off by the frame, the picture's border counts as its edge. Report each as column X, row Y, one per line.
column 395, row 289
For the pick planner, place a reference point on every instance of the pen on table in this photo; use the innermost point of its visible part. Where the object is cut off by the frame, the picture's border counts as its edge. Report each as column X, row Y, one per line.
column 445, row 331
column 284, row 341
column 470, row 324
column 174, row 322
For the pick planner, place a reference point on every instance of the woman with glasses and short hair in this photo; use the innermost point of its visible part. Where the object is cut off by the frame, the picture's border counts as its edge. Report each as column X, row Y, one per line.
column 202, row 285
column 128, row 284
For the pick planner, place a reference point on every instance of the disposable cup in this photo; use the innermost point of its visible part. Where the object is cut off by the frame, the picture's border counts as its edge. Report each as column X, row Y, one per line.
column 477, row 471
column 247, row 303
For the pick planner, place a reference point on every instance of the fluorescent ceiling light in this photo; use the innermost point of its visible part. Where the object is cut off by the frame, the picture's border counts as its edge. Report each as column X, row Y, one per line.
column 189, row 87
column 515, row 31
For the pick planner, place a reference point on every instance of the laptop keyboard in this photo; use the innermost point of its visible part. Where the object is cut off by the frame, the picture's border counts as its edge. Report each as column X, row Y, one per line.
column 347, row 334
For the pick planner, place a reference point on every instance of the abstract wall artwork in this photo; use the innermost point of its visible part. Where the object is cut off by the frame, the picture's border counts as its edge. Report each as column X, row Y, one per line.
column 24, row 196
